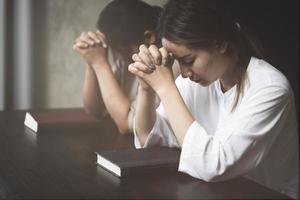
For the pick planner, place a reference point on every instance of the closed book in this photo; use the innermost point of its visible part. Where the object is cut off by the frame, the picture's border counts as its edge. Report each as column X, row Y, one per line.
column 56, row 119
column 126, row 162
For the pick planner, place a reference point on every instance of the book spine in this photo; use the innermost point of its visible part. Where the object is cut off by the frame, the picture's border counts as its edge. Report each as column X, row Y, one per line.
column 138, row 170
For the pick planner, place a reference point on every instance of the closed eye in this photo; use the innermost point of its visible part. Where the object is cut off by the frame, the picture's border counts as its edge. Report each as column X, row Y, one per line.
column 187, row 62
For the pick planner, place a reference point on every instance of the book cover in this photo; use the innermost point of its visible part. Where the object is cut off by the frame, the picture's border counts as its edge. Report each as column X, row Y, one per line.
column 126, row 162
column 42, row 120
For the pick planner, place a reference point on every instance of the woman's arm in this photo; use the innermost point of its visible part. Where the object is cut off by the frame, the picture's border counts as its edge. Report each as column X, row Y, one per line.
column 145, row 115
column 162, row 82
column 116, row 102
column 177, row 112
column 90, row 47
column 91, row 95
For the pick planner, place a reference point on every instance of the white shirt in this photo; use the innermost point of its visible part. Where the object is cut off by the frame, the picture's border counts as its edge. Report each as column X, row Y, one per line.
column 259, row 139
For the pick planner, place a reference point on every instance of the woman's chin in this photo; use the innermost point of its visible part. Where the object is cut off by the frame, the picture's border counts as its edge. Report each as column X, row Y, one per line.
column 204, row 83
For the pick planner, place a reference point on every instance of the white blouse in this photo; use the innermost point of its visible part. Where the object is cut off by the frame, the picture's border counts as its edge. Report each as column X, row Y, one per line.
column 259, row 139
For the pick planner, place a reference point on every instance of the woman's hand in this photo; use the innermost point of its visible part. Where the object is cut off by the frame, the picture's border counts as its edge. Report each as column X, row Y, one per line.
column 154, row 67
column 92, row 47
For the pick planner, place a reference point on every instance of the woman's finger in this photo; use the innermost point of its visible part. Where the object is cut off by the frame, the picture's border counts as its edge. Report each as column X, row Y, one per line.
column 150, row 67
column 155, row 53
column 167, row 58
column 142, row 67
column 102, row 38
column 81, row 44
column 86, row 38
column 78, row 40
column 164, row 55
column 136, row 58
column 134, row 70
column 143, row 48
column 145, row 58
column 77, row 49
column 94, row 37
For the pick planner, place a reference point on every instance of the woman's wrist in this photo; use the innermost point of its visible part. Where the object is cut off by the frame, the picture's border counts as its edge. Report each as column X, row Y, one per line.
column 89, row 68
column 165, row 89
column 101, row 64
column 147, row 91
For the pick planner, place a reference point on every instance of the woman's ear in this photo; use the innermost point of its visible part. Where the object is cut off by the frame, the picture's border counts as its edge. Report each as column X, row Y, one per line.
column 149, row 37
column 222, row 47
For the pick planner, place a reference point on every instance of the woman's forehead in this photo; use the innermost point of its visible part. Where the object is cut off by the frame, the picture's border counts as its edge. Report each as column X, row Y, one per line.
column 177, row 49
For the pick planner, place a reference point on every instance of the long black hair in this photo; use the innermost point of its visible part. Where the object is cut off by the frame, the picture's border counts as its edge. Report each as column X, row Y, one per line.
column 125, row 21
column 201, row 23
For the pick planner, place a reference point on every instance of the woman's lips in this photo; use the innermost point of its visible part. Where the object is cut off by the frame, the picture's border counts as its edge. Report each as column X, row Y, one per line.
column 201, row 82
column 197, row 80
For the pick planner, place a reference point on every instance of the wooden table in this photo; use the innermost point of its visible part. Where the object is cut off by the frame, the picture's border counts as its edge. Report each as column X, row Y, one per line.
column 60, row 164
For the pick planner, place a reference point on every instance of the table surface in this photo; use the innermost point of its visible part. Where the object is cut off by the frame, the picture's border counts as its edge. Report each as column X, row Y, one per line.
column 60, row 164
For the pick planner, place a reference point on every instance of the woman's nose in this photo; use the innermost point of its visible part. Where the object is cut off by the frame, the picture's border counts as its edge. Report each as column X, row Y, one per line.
column 185, row 72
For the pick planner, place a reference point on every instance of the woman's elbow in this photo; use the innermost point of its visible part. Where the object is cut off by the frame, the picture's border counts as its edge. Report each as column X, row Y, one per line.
column 97, row 115
column 123, row 129
column 209, row 177
column 210, row 173
column 220, row 171
column 212, row 177
column 122, row 122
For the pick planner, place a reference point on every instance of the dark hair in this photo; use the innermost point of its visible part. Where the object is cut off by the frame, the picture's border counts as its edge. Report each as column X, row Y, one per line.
column 200, row 23
column 125, row 21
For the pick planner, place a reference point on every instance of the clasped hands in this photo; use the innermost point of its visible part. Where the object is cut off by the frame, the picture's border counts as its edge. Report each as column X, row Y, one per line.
column 153, row 66
column 92, row 47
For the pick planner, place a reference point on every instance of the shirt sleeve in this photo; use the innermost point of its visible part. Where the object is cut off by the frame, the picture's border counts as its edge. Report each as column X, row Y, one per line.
column 238, row 146
column 160, row 135
column 132, row 111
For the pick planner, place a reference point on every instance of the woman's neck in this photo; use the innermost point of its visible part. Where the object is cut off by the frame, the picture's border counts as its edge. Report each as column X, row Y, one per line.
column 232, row 74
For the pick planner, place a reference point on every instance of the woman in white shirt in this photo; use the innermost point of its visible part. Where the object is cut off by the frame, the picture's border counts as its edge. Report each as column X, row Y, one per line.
column 231, row 113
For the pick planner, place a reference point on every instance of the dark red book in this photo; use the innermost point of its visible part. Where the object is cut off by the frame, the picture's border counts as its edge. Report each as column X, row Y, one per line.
column 42, row 120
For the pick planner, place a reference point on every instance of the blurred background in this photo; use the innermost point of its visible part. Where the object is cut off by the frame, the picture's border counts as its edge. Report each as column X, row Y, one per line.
column 39, row 70
column 38, row 66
